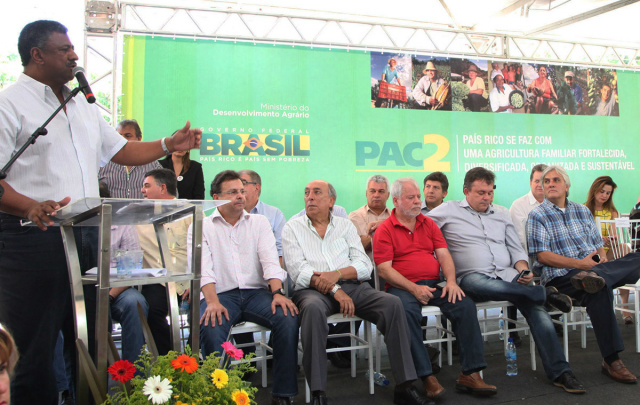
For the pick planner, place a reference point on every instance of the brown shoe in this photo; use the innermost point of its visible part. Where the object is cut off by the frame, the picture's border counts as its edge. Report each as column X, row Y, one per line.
column 619, row 372
column 588, row 281
column 473, row 384
column 433, row 387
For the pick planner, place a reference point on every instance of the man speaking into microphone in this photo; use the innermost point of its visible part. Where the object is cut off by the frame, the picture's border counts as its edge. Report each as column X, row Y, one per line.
column 60, row 168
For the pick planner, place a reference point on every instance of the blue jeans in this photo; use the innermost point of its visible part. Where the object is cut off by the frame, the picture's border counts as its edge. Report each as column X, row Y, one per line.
column 464, row 319
column 254, row 305
column 529, row 300
column 124, row 309
column 625, row 270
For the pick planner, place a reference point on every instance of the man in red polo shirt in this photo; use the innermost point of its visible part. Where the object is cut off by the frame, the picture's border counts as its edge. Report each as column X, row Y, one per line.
column 405, row 247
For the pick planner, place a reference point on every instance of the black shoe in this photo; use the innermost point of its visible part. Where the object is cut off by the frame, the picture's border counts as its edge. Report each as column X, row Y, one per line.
column 281, row 401
column 340, row 359
column 410, row 396
column 66, row 398
column 558, row 300
column 570, row 383
column 319, row 398
column 589, row 281
column 517, row 340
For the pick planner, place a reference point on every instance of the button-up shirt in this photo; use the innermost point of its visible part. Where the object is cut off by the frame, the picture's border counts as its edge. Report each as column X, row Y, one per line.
column 362, row 217
column 572, row 233
column 305, row 252
column 482, row 242
column 241, row 256
column 65, row 162
column 276, row 219
column 519, row 211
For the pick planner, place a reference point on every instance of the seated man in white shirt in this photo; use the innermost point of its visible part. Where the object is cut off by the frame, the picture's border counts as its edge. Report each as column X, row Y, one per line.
column 326, row 261
column 239, row 263
column 521, row 207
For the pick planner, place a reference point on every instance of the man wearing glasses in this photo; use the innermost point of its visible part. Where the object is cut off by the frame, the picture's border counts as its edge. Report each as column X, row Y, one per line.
column 253, row 188
column 239, row 262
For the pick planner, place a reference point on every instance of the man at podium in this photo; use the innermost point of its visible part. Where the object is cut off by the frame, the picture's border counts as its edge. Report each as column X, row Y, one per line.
column 59, row 168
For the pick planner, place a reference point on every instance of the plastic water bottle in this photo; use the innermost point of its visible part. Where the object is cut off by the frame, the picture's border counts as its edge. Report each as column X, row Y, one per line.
column 501, row 327
column 512, row 363
column 184, row 307
column 378, row 378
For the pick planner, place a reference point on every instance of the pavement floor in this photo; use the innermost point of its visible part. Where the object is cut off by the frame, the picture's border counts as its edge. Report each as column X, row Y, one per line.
column 528, row 387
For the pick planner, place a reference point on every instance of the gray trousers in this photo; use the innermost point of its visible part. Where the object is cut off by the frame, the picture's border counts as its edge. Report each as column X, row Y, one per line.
column 382, row 309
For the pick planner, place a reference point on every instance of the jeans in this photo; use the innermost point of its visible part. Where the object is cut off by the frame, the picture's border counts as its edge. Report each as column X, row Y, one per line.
column 254, row 305
column 464, row 319
column 35, row 302
column 529, row 300
column 124, row 309
column 625, row 270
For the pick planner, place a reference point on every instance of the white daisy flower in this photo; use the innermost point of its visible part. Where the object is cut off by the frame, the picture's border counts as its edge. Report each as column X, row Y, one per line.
column 159, row 391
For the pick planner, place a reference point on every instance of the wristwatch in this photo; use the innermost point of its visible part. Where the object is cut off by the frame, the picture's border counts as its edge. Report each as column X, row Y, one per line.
column 279, row 291
column 335, row 289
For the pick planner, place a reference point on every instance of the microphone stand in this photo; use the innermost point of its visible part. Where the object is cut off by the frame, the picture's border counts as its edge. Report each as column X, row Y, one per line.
column 41, row 130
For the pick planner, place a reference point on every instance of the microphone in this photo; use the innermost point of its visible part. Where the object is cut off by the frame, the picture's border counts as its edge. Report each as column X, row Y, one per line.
column 78, row 72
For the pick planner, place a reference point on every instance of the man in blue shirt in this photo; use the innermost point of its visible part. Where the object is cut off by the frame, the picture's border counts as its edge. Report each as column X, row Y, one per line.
column 488, row 258
column 565, row 243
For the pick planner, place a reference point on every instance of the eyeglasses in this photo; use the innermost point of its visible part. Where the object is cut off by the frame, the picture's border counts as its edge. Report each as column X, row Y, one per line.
column 234, row 192
column 244, row 182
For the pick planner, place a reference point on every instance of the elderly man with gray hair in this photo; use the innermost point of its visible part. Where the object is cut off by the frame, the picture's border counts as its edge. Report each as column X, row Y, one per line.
column 567, row 247
column 368, row 217
column 405, row 249
column 326, row 261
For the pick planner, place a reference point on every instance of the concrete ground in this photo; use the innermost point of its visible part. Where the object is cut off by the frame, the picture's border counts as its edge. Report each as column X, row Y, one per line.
column 530, row 387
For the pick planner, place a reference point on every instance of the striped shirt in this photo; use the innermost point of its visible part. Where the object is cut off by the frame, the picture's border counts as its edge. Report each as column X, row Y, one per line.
column 125, row 183
column 240, row 256
column 306, row 252
column 66, row 161
column 572, row 233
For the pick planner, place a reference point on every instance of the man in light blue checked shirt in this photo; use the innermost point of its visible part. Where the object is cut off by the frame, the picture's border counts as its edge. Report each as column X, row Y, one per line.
column 567, row 248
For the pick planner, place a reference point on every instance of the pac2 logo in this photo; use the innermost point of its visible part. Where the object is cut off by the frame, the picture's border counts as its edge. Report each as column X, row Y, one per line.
column 255, row 144
column 405, row 157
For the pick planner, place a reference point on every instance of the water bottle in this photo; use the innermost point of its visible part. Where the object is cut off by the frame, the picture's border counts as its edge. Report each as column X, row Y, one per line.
column 501, row 327
column 184, row 307
column 378, row 378
column 512, row 363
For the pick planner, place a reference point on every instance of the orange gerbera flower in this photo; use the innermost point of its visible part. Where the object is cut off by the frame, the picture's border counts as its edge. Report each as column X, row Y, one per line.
column 240, row 397
column 185, row 363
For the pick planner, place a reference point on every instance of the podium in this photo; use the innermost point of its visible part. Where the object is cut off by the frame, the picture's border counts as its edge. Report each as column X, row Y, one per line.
column 103, row 213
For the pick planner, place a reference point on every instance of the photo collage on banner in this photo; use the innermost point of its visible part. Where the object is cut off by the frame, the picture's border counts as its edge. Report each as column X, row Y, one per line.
column 476, row 85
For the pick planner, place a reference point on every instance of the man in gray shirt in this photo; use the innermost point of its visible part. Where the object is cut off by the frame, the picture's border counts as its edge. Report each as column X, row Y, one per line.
column 488, row 258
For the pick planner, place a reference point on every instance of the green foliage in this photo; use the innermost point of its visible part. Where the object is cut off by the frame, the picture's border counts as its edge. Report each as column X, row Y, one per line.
column 188, row 388
column 596, row 79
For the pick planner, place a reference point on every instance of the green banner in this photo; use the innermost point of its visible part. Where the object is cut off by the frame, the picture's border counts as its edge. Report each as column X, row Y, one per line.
column 294, row 114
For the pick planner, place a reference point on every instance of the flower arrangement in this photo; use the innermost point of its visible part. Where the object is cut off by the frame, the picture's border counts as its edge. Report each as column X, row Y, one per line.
column 180, row 379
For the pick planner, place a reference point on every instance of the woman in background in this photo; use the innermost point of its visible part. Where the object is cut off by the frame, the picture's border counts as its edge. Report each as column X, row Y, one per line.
column 600, row 203
column 188, row 173
column 8, row 358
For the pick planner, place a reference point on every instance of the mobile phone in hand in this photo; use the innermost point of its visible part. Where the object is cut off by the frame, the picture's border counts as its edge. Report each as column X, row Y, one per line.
column 523, row 273
column 596, row 258
column 441, row 284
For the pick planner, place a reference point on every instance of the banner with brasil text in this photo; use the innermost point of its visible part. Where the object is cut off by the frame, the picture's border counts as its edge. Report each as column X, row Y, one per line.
column 294, row 114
